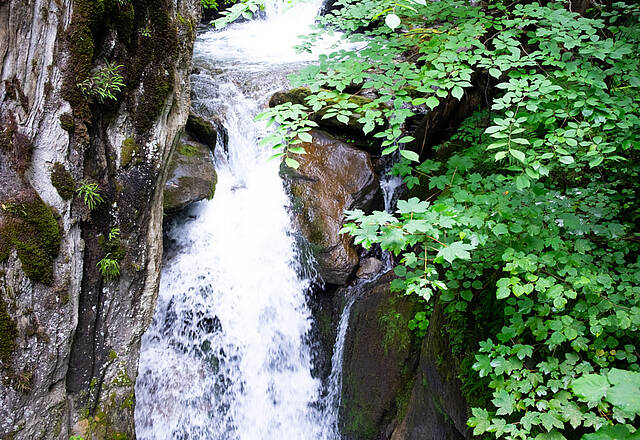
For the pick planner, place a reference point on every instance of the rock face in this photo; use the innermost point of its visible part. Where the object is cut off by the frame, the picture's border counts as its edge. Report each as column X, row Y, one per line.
column 192, row 176
column 380, row 356
column 332, row 177
column 436, row 409
column 69, row 333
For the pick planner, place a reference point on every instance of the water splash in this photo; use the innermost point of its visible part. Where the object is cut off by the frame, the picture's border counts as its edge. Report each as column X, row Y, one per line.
column 227, row 355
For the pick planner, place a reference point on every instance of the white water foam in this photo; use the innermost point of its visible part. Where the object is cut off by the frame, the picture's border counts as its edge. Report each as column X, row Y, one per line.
column 227, row 356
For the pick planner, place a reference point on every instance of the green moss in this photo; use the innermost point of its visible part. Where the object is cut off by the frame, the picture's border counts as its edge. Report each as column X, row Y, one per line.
column 203, row 130
column 130, row 149
column 67, row 123
column 32, row 228
column 360, row 423
column 80, row 43
column 214, row 182
column 113, row 247
column 124, row 22
column 62, row 181
column 153, row 65
column 189, row 150
column 8, row 334
column 403, row 398
column 395, row 327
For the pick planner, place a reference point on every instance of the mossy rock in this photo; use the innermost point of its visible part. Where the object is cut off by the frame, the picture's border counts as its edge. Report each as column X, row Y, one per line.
column 130, row 150
column 67, row 123
column 203, row 130
column 62, row 181
column 332, row 177
column 380, row 358
column 192, row 176
column 8, row 334
column 34, row 231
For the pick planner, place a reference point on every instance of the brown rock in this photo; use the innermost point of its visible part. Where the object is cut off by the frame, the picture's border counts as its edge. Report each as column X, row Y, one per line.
column 332, row 177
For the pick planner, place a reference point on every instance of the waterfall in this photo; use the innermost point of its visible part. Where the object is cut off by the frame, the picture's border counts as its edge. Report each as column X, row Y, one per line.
column 227, row 355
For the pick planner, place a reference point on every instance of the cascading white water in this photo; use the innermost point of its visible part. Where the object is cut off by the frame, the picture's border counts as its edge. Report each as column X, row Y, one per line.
column 227, row 355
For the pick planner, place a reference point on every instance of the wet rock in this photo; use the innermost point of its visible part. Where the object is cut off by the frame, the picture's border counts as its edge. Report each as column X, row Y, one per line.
column 369, row 267
column 202, row 130
column 192, row 176
column 436, row 408
column 333, row 177
column 380, row 357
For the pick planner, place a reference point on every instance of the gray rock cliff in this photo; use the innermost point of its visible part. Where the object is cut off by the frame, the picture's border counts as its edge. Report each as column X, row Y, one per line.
column 69, row 333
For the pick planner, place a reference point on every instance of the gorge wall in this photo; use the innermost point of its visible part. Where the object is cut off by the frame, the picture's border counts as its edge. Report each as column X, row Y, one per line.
column 69, row 332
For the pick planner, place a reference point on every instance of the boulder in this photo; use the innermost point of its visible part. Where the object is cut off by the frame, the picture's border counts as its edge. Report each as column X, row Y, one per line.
column 333, row 177
column 380, row 357
column 437, row 409
column 191, row 177
column 202, row 130
column 369, row 267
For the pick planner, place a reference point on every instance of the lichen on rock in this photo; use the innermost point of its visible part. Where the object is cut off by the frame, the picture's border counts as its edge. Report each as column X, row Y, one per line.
column 130, row 150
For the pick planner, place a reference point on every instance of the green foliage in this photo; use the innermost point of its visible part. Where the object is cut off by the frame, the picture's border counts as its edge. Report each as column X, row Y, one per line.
column 103, row 83
column 243, row 9
column 109, row 267
column 114, row 233
column 532, row 202
column 209, row 4
column 90, row 192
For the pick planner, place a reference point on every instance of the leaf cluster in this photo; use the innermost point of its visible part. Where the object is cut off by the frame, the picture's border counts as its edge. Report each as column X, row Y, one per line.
column 532, row 201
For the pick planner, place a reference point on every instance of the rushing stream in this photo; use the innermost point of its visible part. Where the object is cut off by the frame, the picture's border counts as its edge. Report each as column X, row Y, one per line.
column 227, row 355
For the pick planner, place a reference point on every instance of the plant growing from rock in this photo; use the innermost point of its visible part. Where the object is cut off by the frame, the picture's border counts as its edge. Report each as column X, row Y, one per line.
column 90, row 193
column 103, row 83
column 109, row 267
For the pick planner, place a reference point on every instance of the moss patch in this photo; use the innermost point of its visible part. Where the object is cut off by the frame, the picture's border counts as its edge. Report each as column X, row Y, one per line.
column 62, row 181
column 8, row 334
column 32, row 228
column 130, row 150
column 113, row 247
column 189, row 150
column 67, row 123
column 203, row 130
column 80, row 42
column 153, row 65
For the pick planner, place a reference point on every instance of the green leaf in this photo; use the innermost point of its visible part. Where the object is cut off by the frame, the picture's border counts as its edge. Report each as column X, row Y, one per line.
column 455, row 250
column 504, row 401
column 292, row 163
column 517, row 154
column 432, row 102
column 392, row 20
column 566, row 160
column 305, row 137
column 457, row 92
column 389, row 150
column 625, row 397
column 616, row 432
column 411, row 155
column 591, row 387
column 297, row 150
